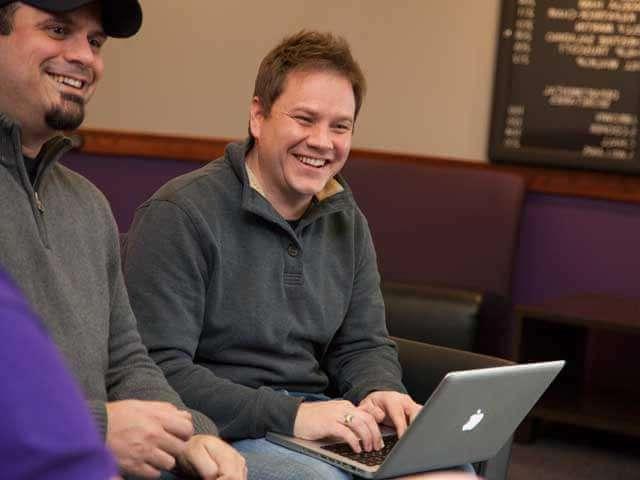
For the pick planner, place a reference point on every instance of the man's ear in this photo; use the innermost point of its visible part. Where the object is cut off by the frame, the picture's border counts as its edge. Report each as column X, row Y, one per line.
column 256, row 117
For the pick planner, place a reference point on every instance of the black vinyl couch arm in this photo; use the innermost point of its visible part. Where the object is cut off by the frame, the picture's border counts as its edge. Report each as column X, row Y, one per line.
column 452, row 317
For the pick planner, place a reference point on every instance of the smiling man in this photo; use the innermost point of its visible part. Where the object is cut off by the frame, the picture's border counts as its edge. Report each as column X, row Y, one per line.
column 59, row 241
column 254, row 279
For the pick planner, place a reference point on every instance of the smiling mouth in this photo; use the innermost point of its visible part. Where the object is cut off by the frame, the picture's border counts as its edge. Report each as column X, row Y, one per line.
column 311, row 161
column 68, row 81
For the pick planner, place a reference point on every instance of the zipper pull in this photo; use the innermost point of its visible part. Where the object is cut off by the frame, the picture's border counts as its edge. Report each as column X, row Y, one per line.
column 38, row 202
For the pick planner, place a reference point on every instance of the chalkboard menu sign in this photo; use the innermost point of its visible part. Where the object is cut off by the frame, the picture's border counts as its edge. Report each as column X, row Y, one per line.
column 567, row 88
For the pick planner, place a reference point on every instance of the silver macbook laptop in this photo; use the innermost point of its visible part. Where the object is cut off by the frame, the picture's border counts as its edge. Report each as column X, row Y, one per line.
column 467, row 419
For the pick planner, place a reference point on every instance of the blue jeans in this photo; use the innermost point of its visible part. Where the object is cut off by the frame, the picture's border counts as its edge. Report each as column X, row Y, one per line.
column 262, row 465
column 286, row 464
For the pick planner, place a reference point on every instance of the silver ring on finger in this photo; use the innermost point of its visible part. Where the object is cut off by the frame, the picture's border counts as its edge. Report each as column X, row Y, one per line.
column 348, row 419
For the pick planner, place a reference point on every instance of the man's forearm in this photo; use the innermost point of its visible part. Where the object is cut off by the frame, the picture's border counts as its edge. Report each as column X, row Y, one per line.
column 238, row 411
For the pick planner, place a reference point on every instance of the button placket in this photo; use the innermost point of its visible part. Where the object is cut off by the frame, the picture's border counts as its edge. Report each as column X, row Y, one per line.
column 293, row 250
column 293, row 264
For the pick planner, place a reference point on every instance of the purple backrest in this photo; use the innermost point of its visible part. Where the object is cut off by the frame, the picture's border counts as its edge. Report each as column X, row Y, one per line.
column 443, row 225
column 127, row 181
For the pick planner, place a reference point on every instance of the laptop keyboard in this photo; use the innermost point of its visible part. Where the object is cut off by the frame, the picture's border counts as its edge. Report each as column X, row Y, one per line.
column 372, row 458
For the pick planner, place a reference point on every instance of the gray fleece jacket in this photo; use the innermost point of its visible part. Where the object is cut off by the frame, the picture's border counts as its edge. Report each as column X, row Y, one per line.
column 59, row 241
column 235, row 305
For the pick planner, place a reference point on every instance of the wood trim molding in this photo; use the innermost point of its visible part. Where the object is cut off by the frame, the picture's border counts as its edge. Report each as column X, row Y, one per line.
column 556, row 181
column 109, row 142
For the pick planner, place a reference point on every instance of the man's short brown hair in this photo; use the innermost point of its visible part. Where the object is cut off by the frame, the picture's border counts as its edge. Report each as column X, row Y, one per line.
column 307, row 50
column 6, row 18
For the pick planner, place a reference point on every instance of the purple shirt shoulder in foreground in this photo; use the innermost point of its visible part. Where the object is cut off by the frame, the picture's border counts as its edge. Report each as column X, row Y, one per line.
column 47, row 432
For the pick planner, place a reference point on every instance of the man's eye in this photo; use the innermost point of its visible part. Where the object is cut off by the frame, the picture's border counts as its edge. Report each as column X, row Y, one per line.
column 57, row 31
column 342, row 128
column 95, row 43
column 304, row 120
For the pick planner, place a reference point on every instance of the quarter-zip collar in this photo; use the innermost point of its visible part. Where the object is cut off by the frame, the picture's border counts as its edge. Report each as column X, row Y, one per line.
column 50, row 154
column 11, row 151
column 10, row 143
column 11, row 158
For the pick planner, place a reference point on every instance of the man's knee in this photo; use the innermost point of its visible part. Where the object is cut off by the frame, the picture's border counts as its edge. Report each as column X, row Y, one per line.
column 323, row 471
column 263, row 466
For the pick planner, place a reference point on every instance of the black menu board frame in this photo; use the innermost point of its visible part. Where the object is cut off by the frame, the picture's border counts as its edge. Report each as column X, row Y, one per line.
column 526, row 127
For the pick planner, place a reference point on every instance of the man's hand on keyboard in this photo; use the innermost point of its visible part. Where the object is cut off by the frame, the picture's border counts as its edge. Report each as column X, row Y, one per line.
column 341, row 419
column 391, row 408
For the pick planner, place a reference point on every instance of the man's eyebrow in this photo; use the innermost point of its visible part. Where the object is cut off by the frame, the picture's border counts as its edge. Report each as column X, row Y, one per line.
column 346, row 119
column 99, row 33
column 312, row 112
column 303, row 110
column 66, row 19
column 56, row 17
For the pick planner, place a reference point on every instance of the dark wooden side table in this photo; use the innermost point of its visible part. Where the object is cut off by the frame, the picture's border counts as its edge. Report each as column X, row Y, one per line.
column 589, row 392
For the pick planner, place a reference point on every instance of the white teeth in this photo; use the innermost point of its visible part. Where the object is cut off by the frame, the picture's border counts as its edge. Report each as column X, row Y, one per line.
column 314, row 162
column 72, row 82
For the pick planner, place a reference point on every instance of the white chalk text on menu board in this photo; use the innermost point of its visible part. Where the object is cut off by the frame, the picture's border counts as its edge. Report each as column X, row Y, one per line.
column 572, row 85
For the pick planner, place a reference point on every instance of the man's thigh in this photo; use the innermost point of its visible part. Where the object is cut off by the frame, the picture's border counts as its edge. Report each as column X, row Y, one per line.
column 264, row 463
column 273, row 462
column 269, row 466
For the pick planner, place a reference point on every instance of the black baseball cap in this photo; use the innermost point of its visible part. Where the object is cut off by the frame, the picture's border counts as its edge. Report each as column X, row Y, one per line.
column 120, row 18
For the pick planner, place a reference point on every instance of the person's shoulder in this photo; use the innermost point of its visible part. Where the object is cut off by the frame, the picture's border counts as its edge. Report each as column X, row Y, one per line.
column 213, row 179
column 352, row 213
column 75, row 184
column 79, row 194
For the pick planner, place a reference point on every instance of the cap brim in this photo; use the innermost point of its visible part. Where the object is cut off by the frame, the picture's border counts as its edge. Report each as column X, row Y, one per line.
column 120, row 18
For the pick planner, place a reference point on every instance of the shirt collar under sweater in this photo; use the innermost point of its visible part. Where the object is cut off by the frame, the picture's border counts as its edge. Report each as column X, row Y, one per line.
column 335, row 197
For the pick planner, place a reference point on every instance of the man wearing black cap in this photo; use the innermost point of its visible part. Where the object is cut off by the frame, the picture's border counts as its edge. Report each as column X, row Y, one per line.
column 59, row 241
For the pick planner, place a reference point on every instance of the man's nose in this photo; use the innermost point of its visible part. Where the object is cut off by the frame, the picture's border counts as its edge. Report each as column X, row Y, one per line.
column 320, row 137
column 79, row 51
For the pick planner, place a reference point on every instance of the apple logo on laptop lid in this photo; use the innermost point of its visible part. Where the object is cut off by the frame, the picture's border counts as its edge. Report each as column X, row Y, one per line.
column 473, row 421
